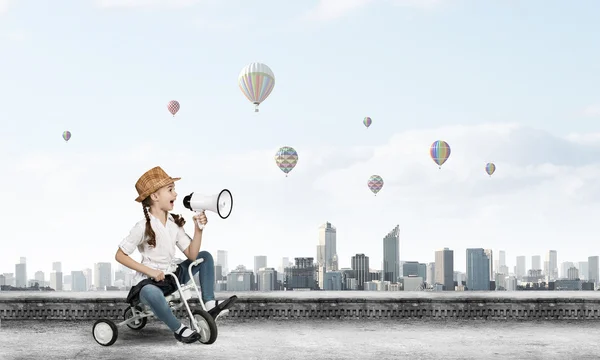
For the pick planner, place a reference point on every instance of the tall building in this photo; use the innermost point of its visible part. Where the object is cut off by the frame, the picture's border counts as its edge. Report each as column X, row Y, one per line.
column 501, row 258
column 327, row 247
column 88, row 278
column 430, row 274
column 78, row 281
column 444, row 268
column 490, row 256
column 391, row 255
column 222, row 261
column 260, row 261
column 360, row 265
column 521, row 269
column 478, row 270
column 21, row 274
column 40, row 278
column 57, row 266
column 102, row 275
column 582, row 266
column 593, row 273
column 56, row 280
column 536, row 262
column 552, row 261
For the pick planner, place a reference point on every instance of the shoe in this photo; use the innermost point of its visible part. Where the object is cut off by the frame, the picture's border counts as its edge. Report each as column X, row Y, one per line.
column 222, row 305
column 194, row 336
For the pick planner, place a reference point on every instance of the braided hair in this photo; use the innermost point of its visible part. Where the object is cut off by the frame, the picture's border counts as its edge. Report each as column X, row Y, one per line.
column 150, row 234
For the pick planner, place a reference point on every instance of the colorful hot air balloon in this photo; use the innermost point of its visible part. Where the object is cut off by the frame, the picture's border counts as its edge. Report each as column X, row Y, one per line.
column 439, row 152
column 375, row 183
column 173, row 107
column 66, row 135
column 256, row 80
column 490, row 168
column 286, row 159
column 367, row 121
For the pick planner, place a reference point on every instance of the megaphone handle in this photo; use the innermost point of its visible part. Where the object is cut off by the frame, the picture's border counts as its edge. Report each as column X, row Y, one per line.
column 200, row 226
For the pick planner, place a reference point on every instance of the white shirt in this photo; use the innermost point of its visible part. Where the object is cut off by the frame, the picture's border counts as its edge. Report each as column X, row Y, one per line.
column 161, row 256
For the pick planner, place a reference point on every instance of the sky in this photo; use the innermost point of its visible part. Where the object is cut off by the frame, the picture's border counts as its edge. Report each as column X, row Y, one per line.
column 512, row 82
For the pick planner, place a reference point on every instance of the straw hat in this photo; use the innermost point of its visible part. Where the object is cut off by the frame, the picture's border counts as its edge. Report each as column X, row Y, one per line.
column 151, row 181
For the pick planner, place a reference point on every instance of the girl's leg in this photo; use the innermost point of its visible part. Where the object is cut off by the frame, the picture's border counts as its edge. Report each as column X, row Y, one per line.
column 207, row 274
column 155, row 299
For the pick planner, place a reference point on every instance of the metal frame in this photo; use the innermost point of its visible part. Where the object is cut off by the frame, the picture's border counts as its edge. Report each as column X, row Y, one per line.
column 147, row 313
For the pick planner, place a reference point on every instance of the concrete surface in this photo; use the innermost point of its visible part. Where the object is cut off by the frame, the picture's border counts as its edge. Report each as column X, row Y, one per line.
column 312, row 295
column 313, row 339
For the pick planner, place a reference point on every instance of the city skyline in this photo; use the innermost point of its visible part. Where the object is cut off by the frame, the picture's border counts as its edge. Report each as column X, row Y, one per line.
column 346, row 263
column 495, row 82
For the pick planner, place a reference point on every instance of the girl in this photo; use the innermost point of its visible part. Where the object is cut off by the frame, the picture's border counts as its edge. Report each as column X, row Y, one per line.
column 156, row 237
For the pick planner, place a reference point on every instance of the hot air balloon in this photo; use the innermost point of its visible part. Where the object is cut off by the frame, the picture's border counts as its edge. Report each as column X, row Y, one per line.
column 66, row 135
column 256, row 80
column 367, row 121
column 375, row 183
column 173, row 107
column 490, row 168
column 286, row 159
column 439, row 151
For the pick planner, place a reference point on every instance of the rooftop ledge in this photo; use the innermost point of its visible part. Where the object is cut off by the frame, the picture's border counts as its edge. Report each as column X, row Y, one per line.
column 318, row 296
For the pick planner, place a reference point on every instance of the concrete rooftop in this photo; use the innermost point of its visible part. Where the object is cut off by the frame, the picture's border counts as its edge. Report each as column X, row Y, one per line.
column 314, row 339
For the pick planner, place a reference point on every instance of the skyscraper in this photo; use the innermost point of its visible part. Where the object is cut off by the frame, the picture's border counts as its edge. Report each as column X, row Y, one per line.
column 21, row 274
column 593, row 269
column 222, row 260
column 501, row 258
column 391, row 255
column 102, row 275
column 552, row 260
column 360, row 265
column 327, row 247
column 490, row 256
column 444, row 268
column 536, row 262
column 478, row 270
column 260, row 262
column 521, row 269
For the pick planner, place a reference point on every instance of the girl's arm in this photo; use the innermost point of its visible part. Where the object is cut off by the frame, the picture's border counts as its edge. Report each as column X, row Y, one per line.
column 126, row 260
column 192, row 251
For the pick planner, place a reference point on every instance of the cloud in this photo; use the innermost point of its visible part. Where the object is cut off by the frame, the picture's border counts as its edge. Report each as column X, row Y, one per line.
column 327, row 10
column 591, row 111
column 149, row 4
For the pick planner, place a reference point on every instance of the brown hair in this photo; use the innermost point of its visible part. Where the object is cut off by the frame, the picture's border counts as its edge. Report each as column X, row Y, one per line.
column 146, row 203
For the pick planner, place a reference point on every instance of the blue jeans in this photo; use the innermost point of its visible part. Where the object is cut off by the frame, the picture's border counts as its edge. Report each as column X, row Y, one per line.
column 153, row 297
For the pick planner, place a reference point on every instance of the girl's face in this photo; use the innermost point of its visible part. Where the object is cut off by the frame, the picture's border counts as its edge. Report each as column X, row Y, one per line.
column 165, row 197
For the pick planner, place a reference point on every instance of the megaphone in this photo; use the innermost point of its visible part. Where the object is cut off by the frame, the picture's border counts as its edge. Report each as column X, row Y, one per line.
column 221, row 203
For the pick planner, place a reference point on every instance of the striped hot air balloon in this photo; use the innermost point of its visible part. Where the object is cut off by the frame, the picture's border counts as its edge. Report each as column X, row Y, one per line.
column 439, row 152
column 490, row 168
column 66, row 135
column 256, row 80
column 286, row 159
column 367, row 121
column 375, row 183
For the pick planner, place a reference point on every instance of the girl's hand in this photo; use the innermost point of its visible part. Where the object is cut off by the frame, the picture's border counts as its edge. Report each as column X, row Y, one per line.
column 157, row 275
column 200, row 218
